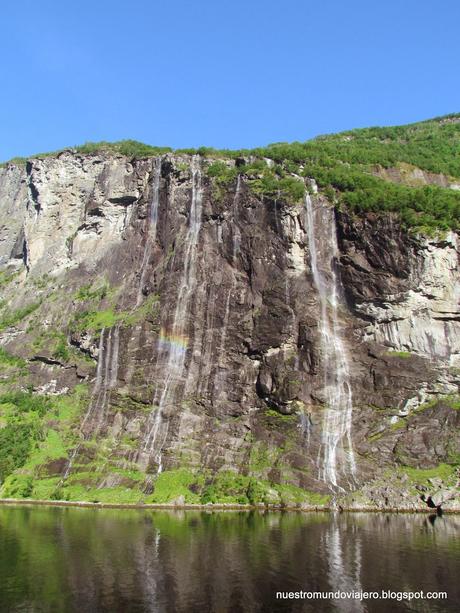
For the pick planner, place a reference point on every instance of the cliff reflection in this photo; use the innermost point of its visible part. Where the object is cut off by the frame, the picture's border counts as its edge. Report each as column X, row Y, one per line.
column 63, row 559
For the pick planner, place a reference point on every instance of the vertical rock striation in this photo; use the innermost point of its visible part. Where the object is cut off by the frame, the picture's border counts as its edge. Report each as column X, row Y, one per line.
column 220, row 331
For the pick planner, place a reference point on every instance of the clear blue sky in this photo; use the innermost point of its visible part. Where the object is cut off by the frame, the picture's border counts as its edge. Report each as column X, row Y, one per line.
column 220, row 73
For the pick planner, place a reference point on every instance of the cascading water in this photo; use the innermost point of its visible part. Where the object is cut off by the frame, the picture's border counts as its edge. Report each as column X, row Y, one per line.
column 236, row 248
column 334, row 459
column 106, row 380
column 173, row 342
column 236, row 230
column 152, row 227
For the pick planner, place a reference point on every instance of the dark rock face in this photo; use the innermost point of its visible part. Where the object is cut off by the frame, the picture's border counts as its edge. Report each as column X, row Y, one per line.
column 209, row 346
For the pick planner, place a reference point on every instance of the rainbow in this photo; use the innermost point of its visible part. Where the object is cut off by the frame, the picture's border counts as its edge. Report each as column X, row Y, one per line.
column 176, row 342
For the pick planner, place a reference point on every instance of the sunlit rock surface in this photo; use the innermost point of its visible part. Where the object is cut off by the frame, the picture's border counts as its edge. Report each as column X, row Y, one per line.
column 193, row 317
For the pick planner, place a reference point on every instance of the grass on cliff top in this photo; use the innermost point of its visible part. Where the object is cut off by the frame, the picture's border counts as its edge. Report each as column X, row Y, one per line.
column 432, row 145
column 344, row 166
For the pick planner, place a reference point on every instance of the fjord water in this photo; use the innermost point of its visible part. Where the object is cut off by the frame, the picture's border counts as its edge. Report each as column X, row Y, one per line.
column 107, row 560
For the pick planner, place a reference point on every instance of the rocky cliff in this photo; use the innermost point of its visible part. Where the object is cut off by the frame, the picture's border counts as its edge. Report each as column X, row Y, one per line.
column 167, row 337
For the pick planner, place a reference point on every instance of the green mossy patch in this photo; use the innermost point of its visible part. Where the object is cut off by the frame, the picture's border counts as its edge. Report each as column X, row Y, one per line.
column 97, row 319
column 453, row 402
column 281, row 417
column 422, row 475
column 233, row 488
column 7, row 277
column 11, row 318
column 175, row 484
column 398, row 354
column 9, row 360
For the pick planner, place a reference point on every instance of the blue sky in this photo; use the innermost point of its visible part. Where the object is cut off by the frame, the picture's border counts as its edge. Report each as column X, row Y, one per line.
column 224, row 74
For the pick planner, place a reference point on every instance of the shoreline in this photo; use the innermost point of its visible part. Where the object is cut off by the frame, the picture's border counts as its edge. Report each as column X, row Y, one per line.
column 213, row 507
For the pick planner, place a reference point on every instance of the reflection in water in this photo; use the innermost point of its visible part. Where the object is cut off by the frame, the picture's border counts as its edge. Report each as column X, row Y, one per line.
column 344, row 570
column 72, row 559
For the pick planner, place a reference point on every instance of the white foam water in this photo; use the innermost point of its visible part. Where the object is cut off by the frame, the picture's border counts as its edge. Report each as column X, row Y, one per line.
column 336, row 459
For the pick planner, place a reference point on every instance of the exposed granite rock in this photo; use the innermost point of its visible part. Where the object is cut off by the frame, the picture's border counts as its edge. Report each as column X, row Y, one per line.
column 250, row 352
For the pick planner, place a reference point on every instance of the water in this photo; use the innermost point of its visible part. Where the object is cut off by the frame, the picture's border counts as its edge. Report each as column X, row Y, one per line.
column 336, row 460
column 106, row 380
column 236, row 231
column 85, row 560
column 174, row 342
column 152, row 228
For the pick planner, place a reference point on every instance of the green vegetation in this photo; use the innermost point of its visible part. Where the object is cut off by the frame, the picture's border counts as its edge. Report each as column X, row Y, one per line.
column 453, row 401
column 399, row 354
column 281, row 416
column 398, row 425
column 173, row 484
column 42, row 282
column 130, row 148
column 91, row 292
column 344, row 166
column 34, row 429
column 422, row 475
column 22, row 412
column 232, row 488
column 95, row 320
column 229, row 487
column 7, row 277
column 54, row 343
column 62, row 351
column 11, row 318
column 6, row 359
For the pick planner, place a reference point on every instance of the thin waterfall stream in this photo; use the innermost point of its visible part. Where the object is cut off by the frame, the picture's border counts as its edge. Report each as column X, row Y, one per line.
column 106, row 380
column 173, row 342
column 236, row 231
column 335, row 459
column 152, row 228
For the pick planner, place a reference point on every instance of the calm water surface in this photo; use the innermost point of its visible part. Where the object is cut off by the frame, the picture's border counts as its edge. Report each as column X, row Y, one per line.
column 85, row 560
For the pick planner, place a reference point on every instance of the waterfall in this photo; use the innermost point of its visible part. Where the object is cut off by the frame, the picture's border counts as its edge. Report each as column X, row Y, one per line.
column 236, row 230
column 152, row 227
column 106, row 376
column 225, row 324
column 173, row 342
column 333, row 457
column 106, row 380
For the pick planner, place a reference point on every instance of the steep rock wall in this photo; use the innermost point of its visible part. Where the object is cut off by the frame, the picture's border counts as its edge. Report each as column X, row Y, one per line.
column 199, row 341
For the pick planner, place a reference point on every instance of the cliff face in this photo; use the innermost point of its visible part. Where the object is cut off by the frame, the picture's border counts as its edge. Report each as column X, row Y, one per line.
column 230, row 341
